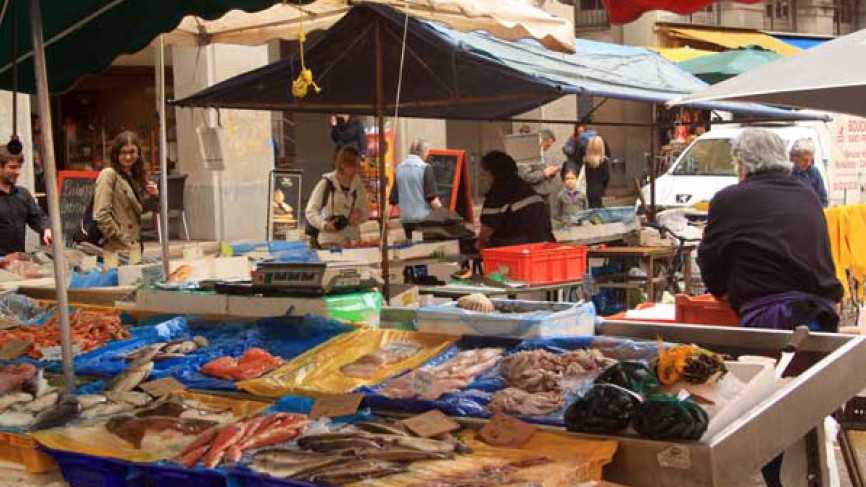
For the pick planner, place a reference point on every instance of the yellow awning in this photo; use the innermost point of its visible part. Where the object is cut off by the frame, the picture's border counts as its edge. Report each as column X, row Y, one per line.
column 680, row 54
column 733, row 39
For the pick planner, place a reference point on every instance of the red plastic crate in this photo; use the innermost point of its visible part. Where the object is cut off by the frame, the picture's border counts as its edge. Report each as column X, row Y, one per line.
column 537, row 263
column 705, row 310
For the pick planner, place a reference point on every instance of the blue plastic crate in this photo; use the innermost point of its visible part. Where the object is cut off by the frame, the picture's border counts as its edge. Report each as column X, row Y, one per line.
column 170, row 475
column 244, row 477
column 89, row 471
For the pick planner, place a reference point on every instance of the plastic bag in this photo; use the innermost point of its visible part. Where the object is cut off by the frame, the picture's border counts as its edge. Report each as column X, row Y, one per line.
column 605, row 409
column 666, row 417
column 94, row 278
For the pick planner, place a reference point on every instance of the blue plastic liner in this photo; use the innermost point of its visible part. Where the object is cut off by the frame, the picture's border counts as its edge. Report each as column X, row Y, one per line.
column 472, row 401
column 94, row 278
column 285, row 337
column 23, row 309
column 281, row 251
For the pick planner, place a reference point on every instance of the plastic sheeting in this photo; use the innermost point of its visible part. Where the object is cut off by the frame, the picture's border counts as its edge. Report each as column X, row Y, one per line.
column 22, row 309
column 472, row 401
column 285, row 337
column 319, row 370
column 280, row 251
column 94, row 278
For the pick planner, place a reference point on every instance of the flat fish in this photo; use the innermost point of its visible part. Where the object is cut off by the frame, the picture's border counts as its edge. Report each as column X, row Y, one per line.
column 16, row 419
column 169, row 409
column 90, row 400
column 134, row 398
column 106, row 409
column 131, row 378
column 64, row 411
column 42, row 403
column 7, row 400
column 133, row 430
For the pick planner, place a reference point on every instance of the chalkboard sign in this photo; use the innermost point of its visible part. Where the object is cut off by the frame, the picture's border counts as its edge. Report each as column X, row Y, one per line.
column 452, row 180
column 284, row 203
column 76, row 190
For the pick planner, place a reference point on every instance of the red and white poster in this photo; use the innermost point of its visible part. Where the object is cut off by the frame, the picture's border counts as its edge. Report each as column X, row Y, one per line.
column 847, row 170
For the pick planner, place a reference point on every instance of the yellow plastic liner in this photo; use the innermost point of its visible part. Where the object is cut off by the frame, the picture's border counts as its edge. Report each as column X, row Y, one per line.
column 91, row 437
column 317, row 371
column 573, row 461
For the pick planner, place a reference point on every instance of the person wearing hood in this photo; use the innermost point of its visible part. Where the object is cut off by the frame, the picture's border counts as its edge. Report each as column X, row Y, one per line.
column 338, row 204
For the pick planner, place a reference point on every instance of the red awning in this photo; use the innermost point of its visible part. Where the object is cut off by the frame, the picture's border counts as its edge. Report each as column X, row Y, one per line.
column 622, row 11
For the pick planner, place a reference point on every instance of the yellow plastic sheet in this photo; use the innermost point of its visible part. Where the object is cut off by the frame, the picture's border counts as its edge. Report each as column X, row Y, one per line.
column 318, row 371
column 574, row 460
column 91, row 438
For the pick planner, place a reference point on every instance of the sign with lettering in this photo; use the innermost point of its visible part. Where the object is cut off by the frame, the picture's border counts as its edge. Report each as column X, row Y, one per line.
column 76, row 191
column 284, row 203
column 846, row 172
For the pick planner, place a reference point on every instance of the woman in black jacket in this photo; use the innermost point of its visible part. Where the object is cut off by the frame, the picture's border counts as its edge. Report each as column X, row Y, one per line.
column 597, row 171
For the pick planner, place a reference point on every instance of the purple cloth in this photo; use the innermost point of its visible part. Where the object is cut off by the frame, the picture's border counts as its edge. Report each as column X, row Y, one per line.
column 785, row 311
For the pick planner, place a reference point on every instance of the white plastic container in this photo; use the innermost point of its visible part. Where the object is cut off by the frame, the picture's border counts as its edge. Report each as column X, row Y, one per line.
column 526, row 319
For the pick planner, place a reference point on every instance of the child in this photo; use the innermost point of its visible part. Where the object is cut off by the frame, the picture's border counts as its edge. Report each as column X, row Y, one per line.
column 570, row 201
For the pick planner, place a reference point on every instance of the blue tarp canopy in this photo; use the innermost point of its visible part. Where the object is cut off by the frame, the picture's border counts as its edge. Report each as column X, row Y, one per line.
column 453, row 75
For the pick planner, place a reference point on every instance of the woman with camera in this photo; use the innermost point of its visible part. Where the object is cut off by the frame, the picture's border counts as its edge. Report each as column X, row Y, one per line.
column 338, row 204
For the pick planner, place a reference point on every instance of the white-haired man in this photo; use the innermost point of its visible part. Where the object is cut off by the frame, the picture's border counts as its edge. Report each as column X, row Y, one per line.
column 414, row 189
column 766, row 247
column 803, row 157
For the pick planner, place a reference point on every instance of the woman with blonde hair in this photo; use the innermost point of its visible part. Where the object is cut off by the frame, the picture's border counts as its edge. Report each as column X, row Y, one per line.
column 338, row 204
column 596, row 170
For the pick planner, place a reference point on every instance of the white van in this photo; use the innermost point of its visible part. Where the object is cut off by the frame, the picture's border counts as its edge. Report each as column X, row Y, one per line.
column 705, row 166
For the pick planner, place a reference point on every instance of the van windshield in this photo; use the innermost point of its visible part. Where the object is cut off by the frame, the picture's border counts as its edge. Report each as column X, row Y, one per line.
column 706, row 157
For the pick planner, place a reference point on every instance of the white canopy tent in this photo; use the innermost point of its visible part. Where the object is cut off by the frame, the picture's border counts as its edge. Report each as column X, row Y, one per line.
column 830, row 77
column 505, row 19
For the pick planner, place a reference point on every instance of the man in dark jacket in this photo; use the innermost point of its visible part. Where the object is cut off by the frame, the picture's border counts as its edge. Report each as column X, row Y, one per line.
column 766, row 247
column 512, row 213
column 18, row 209
column 348, row 130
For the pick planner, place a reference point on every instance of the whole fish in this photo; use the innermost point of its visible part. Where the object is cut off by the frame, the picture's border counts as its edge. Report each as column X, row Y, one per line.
column 400, row 454
column 16, row 419
column 168, row 356
column 332, row 445
column 90, row 400
column 184, row 347
column 42, row 403
column 7, row 400
column 201, row 341
column 134, row 398
column 289, row 470
column 355, row 470
column 168, row 409
column 133, row 430
column 421, row 444
column 382, row 428
column 146, row 352
column 106, row 409
column 67, row 409
column 131, row 378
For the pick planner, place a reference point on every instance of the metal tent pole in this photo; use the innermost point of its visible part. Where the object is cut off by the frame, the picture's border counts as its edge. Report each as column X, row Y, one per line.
column 163, row 156
column 383, row 180
column 42, row 96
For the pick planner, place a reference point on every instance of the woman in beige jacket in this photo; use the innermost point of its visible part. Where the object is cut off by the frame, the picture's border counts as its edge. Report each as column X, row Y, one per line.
column 122, row 194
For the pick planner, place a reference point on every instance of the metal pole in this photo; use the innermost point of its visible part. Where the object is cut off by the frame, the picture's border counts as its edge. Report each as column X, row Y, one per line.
column 163, row 156
column 652, row 161
column 383, row 181
column 41, row 74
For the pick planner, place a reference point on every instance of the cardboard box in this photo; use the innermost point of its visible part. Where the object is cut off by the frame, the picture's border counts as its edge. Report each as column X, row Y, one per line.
column 171, row 302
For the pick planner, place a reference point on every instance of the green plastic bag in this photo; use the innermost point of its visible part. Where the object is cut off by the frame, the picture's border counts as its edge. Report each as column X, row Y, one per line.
column 359, row 308
column 667, row 417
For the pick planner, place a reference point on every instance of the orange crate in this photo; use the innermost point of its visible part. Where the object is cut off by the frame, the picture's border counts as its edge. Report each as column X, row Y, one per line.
column 23, row 450
column 705, row 310
column 537, row 263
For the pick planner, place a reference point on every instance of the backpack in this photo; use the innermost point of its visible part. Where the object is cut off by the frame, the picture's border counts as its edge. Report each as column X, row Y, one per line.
column 88, row 231
column 309, row 229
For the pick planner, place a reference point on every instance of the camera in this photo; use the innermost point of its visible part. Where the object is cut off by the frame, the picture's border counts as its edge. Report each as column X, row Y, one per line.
column 340, row 222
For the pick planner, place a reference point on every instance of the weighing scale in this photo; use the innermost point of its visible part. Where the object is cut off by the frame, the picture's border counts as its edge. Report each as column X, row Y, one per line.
column 305, row 279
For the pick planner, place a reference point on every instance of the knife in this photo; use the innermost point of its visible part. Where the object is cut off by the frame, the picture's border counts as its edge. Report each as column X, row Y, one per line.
column 800, row 334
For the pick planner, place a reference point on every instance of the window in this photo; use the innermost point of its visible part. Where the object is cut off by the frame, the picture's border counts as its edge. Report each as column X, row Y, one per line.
column 779, row 9
column 843, row 13
column 707, row 157
column 590, row 14
column 591, row 5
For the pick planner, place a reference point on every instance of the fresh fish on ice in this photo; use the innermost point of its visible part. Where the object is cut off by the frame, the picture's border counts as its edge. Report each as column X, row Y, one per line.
column 42, row 403
column 131, row 378
column 15, row 419
column 66, row 410
column 7, row 400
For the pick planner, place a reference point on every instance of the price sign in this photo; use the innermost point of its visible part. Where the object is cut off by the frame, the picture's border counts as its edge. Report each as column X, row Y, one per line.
column 336, row 405
column 506, row 431
column 430, row 424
